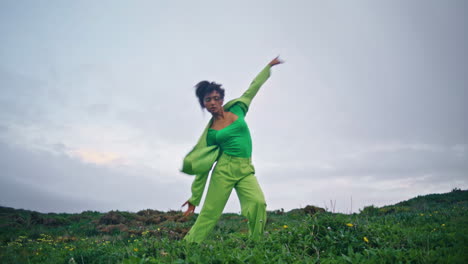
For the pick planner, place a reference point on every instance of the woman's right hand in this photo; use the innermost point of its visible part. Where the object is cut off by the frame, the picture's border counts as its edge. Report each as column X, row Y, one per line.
column 190, row 209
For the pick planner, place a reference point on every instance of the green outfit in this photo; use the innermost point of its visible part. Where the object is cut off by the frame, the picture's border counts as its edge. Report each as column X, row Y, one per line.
column 234, row 139
column 231, row 147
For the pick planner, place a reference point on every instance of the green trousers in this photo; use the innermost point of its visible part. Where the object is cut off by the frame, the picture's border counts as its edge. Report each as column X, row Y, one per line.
column 231, row 172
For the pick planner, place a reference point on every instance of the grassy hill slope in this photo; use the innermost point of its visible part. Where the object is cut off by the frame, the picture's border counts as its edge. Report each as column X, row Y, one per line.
column 426, row 229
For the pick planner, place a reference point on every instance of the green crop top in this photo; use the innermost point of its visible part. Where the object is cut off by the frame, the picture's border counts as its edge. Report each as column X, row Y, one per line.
column 234, row 139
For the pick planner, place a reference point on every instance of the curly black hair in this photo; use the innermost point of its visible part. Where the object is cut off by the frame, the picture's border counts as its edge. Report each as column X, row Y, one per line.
column 205, row 87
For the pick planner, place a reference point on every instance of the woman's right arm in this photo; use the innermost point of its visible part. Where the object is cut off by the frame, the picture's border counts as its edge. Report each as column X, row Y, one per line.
column 259, row 80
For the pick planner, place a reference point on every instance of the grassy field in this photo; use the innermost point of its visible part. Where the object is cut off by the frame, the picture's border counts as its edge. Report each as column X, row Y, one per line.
column 425, row 229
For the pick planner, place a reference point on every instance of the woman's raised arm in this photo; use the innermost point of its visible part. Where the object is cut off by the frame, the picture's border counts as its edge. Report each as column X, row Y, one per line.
column 259, row 81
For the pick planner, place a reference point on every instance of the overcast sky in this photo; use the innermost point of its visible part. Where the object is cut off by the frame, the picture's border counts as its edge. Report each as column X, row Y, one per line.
column 97, row 106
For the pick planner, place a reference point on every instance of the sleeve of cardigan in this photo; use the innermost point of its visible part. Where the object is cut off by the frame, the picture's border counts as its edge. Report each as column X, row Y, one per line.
column 259, row 80
column 198, row 186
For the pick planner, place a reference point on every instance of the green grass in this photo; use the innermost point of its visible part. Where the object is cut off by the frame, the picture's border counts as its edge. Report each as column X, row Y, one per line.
column 425, row 229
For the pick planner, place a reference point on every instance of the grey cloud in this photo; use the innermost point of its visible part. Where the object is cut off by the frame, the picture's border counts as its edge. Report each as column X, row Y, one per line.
column 20, row 97
column 3, row 128
column 294, row 190
column 98, row 108
column 31, row 178
column 19, row 195
column 445, row 162
column 355, row 73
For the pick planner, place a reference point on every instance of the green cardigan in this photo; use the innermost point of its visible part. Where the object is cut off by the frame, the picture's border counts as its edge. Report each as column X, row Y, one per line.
column 201, row 158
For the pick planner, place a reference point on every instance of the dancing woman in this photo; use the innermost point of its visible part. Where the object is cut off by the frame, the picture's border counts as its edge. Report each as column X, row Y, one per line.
column 226, row 141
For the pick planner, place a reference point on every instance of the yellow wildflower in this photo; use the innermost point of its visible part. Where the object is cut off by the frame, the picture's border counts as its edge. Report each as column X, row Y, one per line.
column 285, row 226
column 443, row 224
column 135, row 249
column 349, row 224
column 366, row 240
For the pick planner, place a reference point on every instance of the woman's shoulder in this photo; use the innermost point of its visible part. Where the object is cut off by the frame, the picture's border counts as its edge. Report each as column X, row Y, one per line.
column 238, row 109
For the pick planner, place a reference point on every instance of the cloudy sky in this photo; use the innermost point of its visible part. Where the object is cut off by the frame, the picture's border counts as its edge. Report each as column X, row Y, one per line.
column 97, row 107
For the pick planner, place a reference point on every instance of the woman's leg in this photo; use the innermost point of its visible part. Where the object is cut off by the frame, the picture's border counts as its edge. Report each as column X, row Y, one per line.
column 253, row 205
column 219, row 190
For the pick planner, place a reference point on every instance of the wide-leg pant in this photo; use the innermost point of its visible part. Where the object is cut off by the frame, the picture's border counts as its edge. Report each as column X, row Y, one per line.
column 231, row 172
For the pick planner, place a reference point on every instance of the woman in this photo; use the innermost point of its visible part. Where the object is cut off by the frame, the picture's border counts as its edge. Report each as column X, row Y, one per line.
column 226, row 140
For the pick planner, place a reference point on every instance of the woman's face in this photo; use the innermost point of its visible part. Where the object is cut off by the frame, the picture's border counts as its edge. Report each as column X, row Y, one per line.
column 213, row 102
